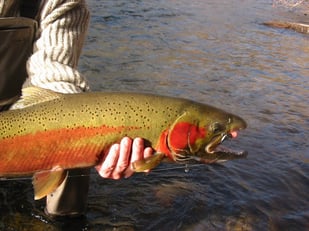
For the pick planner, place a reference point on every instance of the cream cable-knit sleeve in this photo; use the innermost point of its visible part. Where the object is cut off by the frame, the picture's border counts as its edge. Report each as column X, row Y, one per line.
column 62, row 29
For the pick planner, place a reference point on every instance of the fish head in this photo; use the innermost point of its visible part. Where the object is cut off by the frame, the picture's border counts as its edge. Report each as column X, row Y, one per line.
column 221, row 128
column 200, row 131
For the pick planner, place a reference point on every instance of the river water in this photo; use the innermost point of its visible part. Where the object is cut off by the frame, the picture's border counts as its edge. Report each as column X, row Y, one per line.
column 215, row 52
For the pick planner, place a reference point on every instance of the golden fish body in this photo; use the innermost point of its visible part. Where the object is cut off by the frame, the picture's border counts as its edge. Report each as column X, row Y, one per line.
column 54, row 132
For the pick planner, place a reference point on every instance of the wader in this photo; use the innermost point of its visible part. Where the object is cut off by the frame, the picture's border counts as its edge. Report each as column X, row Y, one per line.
column 16, row 39
column 17, row 35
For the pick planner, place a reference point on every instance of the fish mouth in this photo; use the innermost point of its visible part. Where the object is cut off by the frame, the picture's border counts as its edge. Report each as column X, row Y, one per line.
column 214, row 152
column 234, row 125
column 213, row 145
column 215, row 142
column 222, row 154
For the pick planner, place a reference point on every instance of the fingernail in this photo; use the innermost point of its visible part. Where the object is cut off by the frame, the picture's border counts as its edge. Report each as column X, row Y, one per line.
column 128, row 172
column 126, row 175
column 138, row 142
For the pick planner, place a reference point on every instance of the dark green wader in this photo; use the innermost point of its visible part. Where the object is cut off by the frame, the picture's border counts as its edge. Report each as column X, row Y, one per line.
column 16, row 40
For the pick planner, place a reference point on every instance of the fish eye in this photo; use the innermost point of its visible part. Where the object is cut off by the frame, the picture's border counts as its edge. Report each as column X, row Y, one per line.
column 217, row 127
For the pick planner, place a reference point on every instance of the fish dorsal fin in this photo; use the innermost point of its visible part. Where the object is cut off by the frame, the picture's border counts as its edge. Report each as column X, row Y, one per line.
column 45, row 182
column 35, row 95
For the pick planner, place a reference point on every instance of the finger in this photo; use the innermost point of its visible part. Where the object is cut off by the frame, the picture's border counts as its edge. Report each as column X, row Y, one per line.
column 123, row 159
column 148, row 152
column 137, row 149
column 108, row 165
column 137, row 154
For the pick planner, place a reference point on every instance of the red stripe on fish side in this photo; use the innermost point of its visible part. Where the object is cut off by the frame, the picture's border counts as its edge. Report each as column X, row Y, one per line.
column 184, row 134
column 64, row 147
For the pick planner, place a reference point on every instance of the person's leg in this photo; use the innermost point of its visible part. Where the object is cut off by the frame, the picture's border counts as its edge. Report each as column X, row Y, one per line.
column 70, row 198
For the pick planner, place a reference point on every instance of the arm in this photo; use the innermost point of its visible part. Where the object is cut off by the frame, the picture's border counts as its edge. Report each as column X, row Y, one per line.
column 61, row 33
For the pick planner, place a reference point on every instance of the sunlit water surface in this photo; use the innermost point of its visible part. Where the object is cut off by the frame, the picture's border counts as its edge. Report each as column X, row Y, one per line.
column 215, row 52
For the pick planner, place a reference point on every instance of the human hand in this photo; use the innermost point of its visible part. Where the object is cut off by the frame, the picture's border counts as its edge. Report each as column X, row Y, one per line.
column 118, row 161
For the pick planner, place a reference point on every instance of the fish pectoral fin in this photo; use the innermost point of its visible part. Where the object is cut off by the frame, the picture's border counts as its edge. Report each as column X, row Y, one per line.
column 148, row 163
column 45, row 182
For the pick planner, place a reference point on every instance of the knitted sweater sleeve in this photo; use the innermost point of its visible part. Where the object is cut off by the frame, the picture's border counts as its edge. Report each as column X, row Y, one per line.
column 62, row 28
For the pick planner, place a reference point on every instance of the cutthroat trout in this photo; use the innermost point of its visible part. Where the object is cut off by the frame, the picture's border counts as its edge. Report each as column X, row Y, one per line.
column 53, row 132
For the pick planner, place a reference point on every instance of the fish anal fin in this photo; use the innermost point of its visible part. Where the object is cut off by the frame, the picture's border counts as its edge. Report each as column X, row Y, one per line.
column 45, row 182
